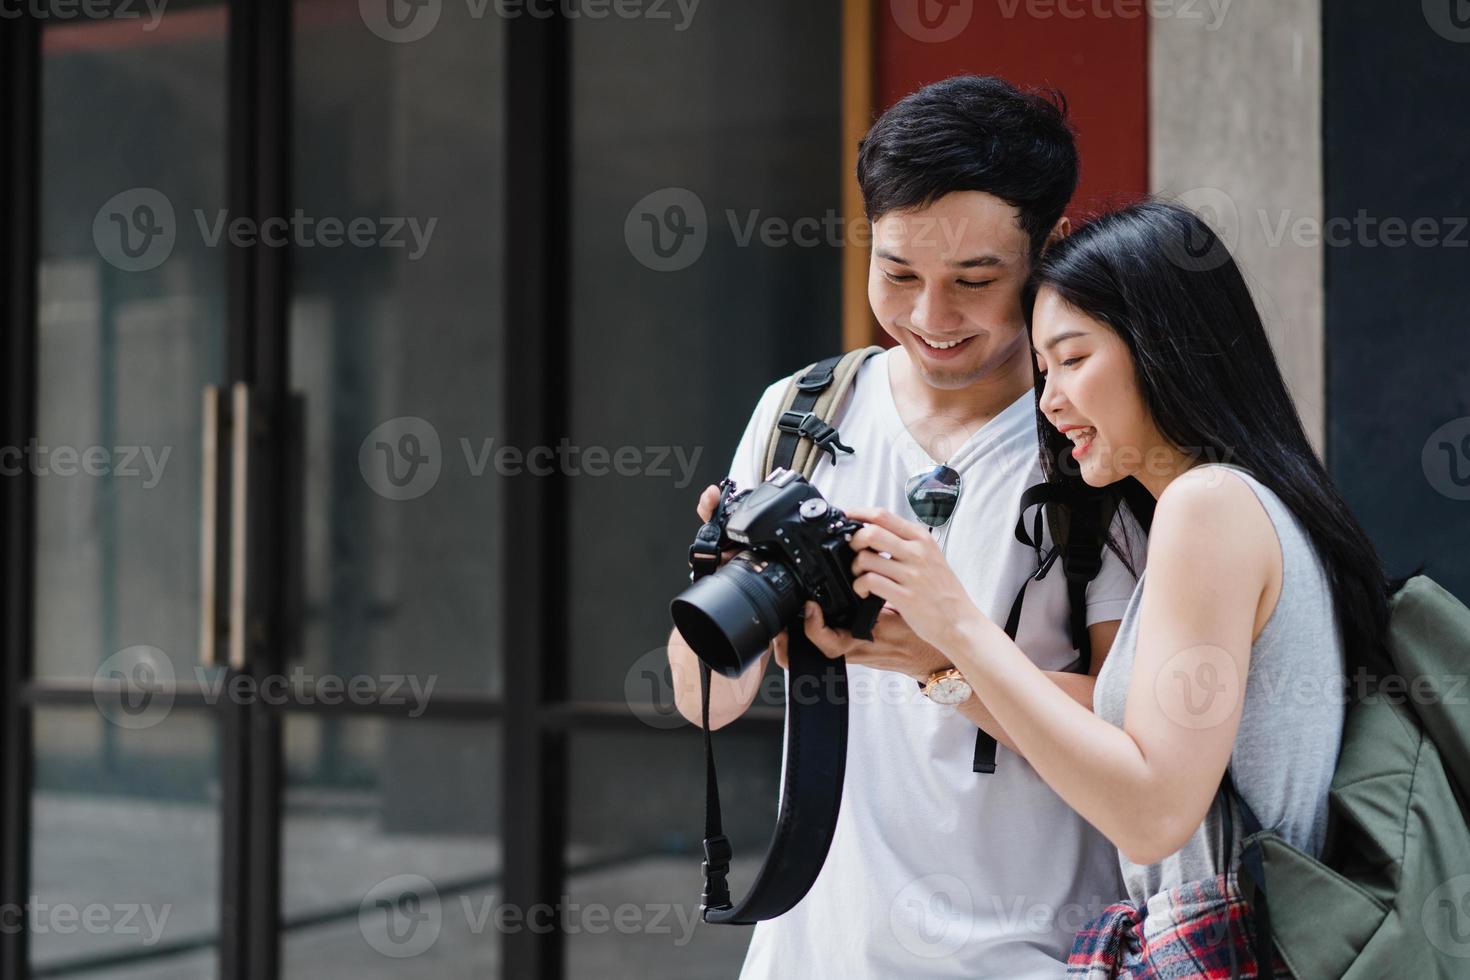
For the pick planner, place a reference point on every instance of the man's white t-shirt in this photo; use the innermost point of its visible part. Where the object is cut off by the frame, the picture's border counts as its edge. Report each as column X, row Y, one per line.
column 935, row 870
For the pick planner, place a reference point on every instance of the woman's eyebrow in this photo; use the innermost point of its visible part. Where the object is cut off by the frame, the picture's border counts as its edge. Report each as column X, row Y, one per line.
column 1065, row 335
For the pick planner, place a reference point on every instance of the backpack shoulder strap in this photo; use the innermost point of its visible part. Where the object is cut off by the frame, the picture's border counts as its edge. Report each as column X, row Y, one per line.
column 1080, row 553
column 1081, row 558
column 803, row 429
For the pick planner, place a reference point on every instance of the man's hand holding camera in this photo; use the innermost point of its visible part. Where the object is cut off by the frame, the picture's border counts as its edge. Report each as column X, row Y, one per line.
column 708, row 501
column 894, row 646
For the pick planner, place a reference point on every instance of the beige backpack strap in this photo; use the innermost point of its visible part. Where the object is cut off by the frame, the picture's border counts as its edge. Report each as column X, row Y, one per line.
column 812, row 386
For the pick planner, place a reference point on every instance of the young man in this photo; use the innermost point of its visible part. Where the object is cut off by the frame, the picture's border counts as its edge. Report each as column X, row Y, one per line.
column 935, row 870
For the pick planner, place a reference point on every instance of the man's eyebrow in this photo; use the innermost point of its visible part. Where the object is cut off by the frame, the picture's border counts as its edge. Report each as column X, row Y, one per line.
column 978, row 262
column 981, row 262
column 1064, row 335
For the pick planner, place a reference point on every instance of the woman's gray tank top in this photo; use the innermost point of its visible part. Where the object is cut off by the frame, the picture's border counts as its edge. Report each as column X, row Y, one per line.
column 1291, row 725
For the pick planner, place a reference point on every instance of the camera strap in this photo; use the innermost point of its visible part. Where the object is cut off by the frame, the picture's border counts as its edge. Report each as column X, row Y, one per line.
column 816, row 694
column 811, row 792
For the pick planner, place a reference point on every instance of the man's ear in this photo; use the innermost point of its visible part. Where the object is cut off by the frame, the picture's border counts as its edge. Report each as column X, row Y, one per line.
column 1060, row 230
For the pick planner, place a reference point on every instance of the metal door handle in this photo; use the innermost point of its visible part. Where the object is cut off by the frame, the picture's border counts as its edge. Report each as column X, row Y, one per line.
column 241, row 431
column 212, row 618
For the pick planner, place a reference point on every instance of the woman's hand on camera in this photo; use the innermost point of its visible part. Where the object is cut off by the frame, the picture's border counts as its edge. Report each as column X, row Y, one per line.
column 894, row 646
column 899, row 561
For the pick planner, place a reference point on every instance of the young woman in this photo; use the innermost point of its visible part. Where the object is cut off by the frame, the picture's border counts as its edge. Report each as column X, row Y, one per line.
column 1260, row 594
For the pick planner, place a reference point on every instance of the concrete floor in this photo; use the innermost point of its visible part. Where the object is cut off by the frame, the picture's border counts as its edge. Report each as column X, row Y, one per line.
column 634, row 919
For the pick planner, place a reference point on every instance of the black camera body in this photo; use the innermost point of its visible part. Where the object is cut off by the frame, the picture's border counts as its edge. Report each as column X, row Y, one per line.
column 795, row 547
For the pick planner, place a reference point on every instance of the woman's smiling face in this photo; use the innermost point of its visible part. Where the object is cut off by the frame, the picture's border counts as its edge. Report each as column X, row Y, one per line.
column 1091, row 392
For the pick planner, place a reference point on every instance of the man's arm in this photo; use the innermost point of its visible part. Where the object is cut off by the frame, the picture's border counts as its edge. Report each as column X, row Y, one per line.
column 728, row 698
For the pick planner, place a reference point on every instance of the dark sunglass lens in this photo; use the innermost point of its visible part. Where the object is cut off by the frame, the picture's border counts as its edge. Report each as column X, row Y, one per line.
column 933, row 495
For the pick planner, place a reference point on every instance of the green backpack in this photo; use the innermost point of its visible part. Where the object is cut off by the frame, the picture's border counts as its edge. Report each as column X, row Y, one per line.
column 1390, row 896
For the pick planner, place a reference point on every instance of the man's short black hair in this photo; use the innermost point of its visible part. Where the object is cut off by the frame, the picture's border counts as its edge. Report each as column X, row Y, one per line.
column 973, row 133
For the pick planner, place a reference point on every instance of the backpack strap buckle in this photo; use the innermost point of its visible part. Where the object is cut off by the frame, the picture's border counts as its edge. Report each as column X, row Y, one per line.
column 817, row 379
column 810, row 425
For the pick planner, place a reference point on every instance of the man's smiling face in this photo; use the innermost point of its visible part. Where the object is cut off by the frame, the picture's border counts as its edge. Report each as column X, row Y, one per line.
column 945, row 282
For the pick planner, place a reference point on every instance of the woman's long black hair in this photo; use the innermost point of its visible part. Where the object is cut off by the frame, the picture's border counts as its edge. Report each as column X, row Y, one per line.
column 1165, row 283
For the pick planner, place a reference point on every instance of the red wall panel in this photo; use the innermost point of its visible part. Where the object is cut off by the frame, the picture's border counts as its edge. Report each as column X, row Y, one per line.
column 1095, row 51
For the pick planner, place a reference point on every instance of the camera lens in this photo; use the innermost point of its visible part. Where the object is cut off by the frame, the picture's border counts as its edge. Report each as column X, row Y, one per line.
column 729, row 618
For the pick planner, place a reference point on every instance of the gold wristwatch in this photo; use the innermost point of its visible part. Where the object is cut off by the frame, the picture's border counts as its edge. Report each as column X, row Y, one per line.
column 946, row 686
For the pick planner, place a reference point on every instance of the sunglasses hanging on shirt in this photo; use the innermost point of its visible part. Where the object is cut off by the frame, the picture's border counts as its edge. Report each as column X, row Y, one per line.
column 933, row 494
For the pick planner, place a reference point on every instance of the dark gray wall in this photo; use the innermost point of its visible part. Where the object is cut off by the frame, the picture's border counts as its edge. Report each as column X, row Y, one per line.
column 1398, row 316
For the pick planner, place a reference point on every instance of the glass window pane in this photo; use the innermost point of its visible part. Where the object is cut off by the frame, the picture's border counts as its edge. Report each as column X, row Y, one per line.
column 395, row 342
column 392, row 848
column 730, row 128
column 637, row 822
column 125, row 852
column 131, row 328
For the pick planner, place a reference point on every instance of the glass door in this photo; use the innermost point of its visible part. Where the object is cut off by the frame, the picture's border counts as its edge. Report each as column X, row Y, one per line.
column 130, row 328
column 391, row 804
column 349, row 446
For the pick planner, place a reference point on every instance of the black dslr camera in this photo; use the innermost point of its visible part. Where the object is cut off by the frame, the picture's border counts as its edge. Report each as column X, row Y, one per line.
column 795, row 547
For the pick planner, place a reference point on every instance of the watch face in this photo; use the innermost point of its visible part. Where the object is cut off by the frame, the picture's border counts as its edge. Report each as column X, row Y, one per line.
column 948, row 690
